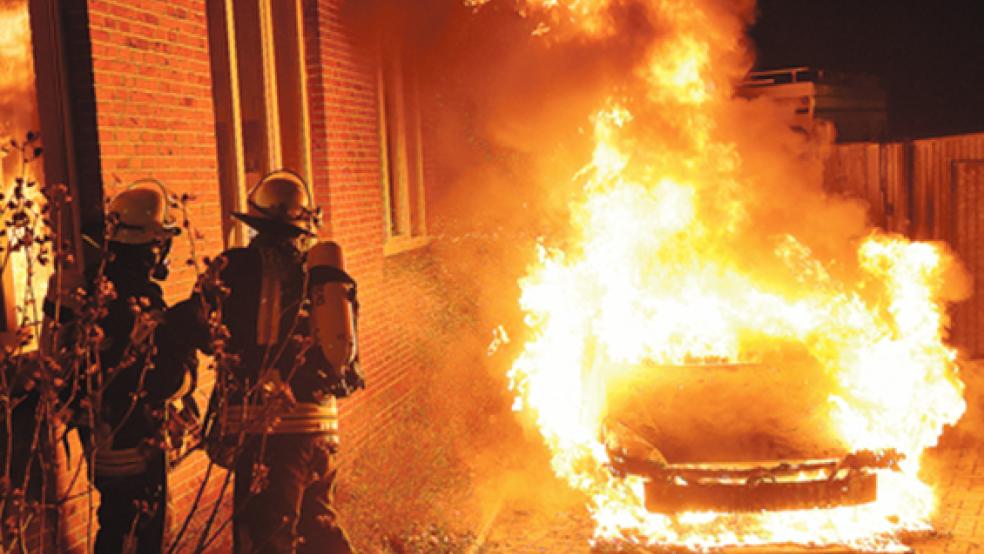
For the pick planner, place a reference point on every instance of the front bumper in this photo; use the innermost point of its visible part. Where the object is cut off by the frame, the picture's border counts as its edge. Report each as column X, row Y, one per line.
column 755, row 486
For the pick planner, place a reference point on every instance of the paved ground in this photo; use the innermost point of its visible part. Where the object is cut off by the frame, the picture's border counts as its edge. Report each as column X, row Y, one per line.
column 476, row 489
column 511, row 503
column 525, row 510
column 960, row 521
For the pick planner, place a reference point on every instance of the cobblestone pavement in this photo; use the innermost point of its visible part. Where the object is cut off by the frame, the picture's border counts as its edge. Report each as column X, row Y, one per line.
column 958, row 473
column 956, row 469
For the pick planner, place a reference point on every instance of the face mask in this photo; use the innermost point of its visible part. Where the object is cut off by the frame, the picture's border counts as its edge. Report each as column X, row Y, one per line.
column 304, row 243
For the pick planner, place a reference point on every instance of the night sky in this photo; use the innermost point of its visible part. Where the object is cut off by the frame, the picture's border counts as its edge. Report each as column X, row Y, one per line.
column 928, row 55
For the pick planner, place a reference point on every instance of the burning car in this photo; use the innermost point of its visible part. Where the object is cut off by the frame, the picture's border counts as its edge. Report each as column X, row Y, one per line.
column 733, row 437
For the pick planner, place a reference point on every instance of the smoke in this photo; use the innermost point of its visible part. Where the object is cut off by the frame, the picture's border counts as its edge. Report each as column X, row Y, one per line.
column 508, row 91
column 507, row 127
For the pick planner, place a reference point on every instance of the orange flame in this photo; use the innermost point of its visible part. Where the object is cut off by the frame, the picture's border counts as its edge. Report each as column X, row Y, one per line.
column 18, row 115
column 17, row 83
column 668, row 268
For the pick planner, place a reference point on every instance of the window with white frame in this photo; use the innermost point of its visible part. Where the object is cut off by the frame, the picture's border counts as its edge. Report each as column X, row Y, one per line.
column 259, row 89
column 401, row 150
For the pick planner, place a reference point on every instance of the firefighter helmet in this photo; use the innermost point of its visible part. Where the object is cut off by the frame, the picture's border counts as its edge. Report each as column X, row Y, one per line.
column 281, row 202
column 141, row 214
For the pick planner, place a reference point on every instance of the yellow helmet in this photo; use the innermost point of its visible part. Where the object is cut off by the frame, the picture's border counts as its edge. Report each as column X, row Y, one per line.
column 280, row 202
column 142, row 214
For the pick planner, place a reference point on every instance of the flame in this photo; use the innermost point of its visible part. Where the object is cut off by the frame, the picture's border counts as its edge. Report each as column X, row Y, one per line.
column 18, row 115
column 667, row 267
column 15, row 66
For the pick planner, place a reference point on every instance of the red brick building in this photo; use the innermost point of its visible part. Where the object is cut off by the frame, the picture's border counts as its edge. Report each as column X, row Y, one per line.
column 209, row 95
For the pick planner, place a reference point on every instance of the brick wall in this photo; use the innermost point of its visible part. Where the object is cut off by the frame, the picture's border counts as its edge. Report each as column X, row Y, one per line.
column 343, row 95
column 154, row 107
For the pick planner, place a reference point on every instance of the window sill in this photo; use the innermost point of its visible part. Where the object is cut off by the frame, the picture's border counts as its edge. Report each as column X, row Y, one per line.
column 399, row 245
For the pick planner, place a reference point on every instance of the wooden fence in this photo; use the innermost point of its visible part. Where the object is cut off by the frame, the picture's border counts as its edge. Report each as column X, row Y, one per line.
column 928, row 189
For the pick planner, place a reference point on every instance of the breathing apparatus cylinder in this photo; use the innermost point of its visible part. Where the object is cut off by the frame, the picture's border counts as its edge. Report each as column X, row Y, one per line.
column 332, row 295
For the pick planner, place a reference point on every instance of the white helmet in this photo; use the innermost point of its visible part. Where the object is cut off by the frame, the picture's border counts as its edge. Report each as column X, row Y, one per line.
column 141, row 214
column 281, row 202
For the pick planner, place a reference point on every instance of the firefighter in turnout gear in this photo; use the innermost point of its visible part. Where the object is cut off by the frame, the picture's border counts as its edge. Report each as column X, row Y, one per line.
column 140, row 369
column 287, row 327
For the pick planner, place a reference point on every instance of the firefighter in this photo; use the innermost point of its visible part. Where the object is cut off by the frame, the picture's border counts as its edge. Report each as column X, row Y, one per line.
column 273, row 415
column 139, row 367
